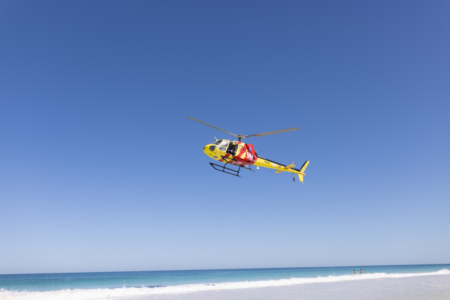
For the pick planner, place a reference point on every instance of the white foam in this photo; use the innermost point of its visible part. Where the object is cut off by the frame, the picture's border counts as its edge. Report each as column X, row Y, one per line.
column 89, row 294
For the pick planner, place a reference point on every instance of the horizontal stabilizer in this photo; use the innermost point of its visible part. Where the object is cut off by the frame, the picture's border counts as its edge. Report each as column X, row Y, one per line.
column 286, row 168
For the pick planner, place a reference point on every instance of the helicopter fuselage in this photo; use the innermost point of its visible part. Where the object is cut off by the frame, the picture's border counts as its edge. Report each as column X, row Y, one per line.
column 242, row 154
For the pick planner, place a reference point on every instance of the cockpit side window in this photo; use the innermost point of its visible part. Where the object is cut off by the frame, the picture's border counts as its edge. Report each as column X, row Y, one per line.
column 218, row 142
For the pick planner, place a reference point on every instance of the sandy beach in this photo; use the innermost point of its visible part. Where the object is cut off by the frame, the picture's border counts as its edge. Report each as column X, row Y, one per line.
column 416, row 288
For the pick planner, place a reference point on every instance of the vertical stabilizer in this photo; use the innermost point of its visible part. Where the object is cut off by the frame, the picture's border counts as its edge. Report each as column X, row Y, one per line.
column 302, row 171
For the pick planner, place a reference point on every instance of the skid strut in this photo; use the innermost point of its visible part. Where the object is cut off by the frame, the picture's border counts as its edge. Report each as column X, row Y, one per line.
column 225, row 169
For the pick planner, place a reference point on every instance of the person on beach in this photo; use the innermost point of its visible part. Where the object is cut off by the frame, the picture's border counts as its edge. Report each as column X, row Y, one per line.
column 354, row 271
column 362, row 272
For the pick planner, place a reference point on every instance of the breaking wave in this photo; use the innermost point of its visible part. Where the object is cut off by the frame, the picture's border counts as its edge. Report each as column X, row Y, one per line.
column 117, row 293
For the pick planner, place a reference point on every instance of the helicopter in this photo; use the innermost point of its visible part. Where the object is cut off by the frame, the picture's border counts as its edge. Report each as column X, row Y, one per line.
column 243, row 155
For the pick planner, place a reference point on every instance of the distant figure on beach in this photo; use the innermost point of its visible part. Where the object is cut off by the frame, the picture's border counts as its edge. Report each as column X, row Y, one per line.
column 362, row 272
column 354, row 271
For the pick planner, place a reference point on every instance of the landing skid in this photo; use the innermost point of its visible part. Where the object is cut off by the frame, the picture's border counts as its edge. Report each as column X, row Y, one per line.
column 230, row 171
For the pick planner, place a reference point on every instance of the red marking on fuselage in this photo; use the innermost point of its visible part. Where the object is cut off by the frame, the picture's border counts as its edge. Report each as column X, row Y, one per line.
column 251, row 152
column 249, row 158
column 240, row 161
column 237, row 160
column 242, row 151
column 226, row 155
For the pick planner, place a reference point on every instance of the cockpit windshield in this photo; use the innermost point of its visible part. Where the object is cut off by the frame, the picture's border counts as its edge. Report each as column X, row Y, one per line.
column 222, row 144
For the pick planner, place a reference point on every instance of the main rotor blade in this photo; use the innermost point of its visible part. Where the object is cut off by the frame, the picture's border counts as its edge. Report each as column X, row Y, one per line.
column 272, row 132
column 211, row 126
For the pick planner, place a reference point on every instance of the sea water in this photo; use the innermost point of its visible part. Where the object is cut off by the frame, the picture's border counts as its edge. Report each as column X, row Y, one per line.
column 209, row 284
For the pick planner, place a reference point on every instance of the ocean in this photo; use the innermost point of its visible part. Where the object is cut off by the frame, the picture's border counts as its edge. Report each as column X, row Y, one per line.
column 426, row 281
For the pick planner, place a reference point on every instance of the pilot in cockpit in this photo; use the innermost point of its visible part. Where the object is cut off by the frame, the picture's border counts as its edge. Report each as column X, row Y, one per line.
column 232, row 149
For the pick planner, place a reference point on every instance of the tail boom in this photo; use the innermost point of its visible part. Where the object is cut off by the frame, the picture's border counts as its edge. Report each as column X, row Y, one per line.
column 267, row 163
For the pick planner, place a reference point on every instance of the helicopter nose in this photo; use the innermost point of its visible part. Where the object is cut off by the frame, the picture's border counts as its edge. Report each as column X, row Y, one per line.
column 208, row 149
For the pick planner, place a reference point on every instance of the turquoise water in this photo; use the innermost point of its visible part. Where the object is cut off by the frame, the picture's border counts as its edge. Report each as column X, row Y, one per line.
column 48, row 282
column 161, row 282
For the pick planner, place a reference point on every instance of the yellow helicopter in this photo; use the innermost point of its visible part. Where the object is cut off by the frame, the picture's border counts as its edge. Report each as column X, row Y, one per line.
column 243, row 155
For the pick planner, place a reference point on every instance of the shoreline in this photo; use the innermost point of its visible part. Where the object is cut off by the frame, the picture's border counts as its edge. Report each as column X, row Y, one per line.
column 236, row 289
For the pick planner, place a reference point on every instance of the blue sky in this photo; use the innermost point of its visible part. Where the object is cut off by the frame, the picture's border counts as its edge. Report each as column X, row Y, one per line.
column 101, row 171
